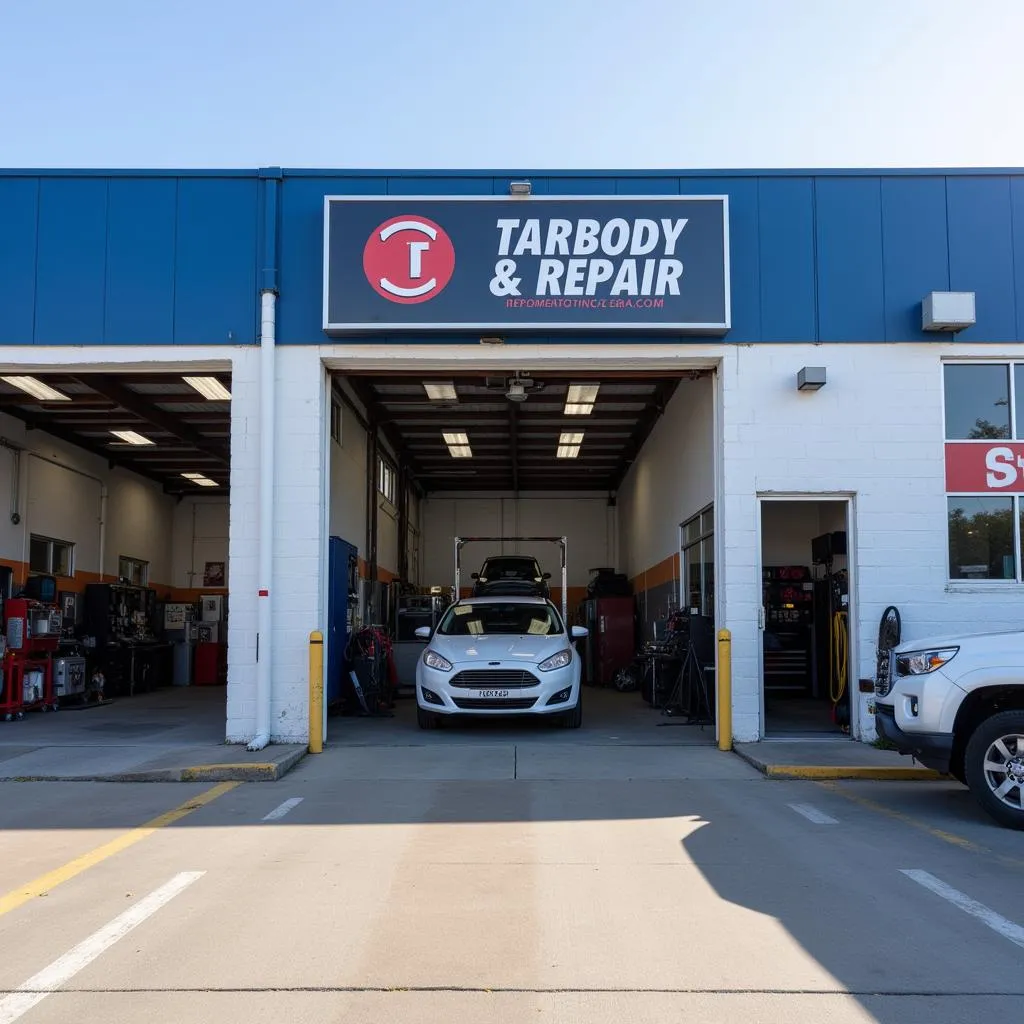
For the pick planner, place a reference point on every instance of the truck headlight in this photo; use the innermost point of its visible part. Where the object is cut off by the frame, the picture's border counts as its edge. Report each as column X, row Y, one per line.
column 434, row 660
column 920, row 663
column 559, row 660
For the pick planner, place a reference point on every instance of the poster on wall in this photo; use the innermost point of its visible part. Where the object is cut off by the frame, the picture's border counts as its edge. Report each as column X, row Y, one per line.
column 594, row 263
column 213, row 574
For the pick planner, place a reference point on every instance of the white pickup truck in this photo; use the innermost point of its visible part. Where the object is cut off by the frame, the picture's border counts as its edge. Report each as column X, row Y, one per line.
column 956, row 703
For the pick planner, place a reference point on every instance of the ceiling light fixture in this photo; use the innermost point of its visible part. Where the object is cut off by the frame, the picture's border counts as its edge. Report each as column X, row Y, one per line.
column 37, row 389
column 580, row 399
column 132, row 437
column 460, row 451
column 200, row 479
column 454, row 437
column 567, row 451
column 443, row 391
column 571, row 437
column 209, row 387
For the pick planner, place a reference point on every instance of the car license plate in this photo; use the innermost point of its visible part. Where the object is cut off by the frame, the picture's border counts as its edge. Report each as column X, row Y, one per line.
column 490, row 694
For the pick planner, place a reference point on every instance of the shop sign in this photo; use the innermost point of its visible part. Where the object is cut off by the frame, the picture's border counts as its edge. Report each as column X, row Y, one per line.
column 995, row 467
column 538, row 263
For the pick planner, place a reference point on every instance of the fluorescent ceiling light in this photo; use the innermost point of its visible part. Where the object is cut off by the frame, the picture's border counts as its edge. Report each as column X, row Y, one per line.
column 450, row 437
column 37, row 389
column 567, row 451
column 460, row 451
column 582, row 394
column 131, row 437
column 571, row 437
column 209, row 387
column 201, row 479
column 574, row 409
column 443, row 391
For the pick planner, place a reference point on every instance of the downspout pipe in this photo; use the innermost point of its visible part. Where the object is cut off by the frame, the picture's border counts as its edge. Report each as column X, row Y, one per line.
column 264, row 647
column 271, row 179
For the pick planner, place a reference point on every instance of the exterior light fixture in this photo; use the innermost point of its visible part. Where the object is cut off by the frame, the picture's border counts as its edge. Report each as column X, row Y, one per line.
column 442, row 391
column 132, row 437
column 209, row 387
column 492, row 339
column 810, row 378
column 37, row 389
column 519, row 188
column 580, row 399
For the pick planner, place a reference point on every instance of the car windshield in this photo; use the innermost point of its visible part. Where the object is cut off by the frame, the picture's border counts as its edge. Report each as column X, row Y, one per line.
column 500, row 619
column 510, row 569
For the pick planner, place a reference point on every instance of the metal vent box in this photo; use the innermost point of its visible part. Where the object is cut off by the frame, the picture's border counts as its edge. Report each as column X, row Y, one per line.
column 947, row 311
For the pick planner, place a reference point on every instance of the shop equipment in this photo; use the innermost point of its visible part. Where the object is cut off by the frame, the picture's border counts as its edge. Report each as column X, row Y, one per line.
column 831, row 631
column 342, row 607
column 69, row 677
column 788, row 595
column 371, row 670
column 414, row 611
column 32, row 632
column 612, row 640
column 690, row 701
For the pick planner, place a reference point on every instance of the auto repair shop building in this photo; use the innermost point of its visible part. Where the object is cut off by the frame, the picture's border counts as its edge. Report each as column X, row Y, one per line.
column 795, row 396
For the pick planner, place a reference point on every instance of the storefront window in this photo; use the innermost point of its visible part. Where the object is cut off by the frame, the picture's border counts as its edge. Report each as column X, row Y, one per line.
column 984, row 428
column 981, row 539
column 977, row 402
column 698, row 562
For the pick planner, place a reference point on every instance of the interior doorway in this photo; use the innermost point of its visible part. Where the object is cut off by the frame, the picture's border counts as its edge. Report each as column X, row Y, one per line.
column 805, row 617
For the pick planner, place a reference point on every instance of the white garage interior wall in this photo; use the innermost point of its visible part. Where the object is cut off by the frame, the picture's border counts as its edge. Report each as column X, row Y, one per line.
column 672, row 479
column 59, row 498
column 585, row 520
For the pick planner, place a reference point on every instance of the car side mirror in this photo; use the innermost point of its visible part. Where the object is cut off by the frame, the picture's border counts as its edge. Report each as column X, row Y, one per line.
column 580, row 632
column 475, row 576
column 423, row 633
column 547, row 575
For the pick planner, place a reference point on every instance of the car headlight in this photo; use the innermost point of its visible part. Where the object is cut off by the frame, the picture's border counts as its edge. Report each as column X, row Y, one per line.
column 920, row 663
column 559, row 660
column 434, row 660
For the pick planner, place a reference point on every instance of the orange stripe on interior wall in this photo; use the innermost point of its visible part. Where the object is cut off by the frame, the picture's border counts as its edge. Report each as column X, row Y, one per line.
column 666, row 571
column 76, row 584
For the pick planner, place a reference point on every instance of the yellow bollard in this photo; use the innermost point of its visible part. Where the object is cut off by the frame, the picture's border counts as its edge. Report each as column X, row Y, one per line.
column 316, row 692
column 724, row 680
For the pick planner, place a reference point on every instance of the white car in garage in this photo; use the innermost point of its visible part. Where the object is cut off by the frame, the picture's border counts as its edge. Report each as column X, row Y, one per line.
column 500, row 656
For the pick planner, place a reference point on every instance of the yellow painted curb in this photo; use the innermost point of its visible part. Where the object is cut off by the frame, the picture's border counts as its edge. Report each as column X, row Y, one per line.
column 821, row 771
column 206, row 772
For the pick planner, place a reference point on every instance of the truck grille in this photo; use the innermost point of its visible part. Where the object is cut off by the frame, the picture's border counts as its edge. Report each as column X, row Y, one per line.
column 883, row 674
column 498, row 678
column 508, row 704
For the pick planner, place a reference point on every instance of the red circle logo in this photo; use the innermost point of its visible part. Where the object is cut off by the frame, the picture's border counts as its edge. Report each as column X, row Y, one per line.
column 409, row 259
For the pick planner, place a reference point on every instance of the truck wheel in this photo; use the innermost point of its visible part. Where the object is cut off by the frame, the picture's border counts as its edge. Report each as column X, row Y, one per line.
column 994, row 767
column 427, row 719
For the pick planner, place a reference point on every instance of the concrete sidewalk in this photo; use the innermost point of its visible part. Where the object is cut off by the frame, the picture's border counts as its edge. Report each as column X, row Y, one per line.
column 831, row 758
column 172, row 735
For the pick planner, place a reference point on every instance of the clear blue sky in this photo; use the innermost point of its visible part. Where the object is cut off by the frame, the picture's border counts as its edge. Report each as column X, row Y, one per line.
column 513, row 84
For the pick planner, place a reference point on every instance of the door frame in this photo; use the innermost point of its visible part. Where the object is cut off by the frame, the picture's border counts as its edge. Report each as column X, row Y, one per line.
column 849, row 499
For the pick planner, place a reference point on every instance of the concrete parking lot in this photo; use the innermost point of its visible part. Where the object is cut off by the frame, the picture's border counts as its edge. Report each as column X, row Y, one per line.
column 582, row 882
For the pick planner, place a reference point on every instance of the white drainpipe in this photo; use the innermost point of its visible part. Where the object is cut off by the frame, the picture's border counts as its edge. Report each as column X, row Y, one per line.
column 103, row 529
column 266, row 539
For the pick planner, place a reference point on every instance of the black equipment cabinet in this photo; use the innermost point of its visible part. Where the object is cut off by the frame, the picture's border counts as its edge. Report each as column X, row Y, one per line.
column 788, row 598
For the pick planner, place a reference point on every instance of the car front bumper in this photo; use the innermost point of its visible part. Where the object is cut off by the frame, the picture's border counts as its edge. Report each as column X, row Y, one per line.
column 554, row 693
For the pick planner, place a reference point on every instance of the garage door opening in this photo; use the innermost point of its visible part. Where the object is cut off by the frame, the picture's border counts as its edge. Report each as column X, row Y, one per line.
column 805, row 616
column 113, row 555
column 612, row 462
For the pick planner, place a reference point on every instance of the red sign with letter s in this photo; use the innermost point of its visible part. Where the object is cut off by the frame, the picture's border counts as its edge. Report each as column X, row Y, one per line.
column 995, row 467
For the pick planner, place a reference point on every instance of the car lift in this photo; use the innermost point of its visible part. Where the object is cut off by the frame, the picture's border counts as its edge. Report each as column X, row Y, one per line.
column 560, row 541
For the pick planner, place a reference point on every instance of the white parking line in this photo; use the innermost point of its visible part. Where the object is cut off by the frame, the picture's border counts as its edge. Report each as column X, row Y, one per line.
column 995, row 921
column 62, row 970
column 279, row 812
column 813, row 814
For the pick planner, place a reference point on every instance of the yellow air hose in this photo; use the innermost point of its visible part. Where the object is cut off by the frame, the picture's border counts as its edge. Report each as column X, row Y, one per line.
column 840, row 657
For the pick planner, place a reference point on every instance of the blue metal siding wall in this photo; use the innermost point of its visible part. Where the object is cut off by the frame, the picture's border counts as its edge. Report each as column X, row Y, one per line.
column 173, row 257
column 128, row 259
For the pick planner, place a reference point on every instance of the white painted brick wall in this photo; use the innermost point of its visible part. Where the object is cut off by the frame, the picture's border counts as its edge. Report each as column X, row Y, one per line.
column 874, row 430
